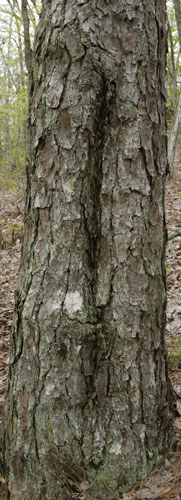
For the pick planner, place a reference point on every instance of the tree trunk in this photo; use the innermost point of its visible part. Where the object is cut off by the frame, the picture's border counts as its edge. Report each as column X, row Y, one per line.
column 172, row 142
column 177, row 8
column 173, row 71
column 173, row 137
column 28, row 51
column 89, row 406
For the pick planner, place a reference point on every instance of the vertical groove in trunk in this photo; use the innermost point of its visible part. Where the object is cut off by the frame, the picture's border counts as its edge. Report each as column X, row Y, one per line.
column 88, row 386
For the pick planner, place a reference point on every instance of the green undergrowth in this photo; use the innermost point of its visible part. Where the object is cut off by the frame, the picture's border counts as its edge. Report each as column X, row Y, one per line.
column 174, row 352
column 10, row 233
column 11, row 177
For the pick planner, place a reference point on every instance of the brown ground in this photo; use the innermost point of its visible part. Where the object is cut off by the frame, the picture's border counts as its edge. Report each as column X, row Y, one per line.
column 165, row 483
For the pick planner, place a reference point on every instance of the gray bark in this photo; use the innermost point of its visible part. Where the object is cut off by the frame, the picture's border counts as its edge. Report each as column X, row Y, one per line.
column 173, row 137
column 28, row 51
column 177, row 7
column 89, row 405
column 174, row 70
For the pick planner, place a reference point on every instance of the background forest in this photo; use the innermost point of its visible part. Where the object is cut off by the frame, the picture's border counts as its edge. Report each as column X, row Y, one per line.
column 14, row 88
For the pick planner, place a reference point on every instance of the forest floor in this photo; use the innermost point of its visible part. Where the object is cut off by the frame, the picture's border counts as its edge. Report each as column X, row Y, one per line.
column 164, row 483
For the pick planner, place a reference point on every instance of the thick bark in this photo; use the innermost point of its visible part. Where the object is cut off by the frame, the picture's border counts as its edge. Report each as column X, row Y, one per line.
column 89, row 403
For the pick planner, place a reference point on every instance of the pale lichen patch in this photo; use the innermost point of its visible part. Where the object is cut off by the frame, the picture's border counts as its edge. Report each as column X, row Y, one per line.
column 73, row 303
column 116, row 449
column 68, row 188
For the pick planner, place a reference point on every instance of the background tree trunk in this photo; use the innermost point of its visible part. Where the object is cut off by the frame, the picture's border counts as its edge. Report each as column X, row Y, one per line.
column 172, row 141
column 28, row 51
column 177, row 8
column 174, row 133
column 89, row 405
